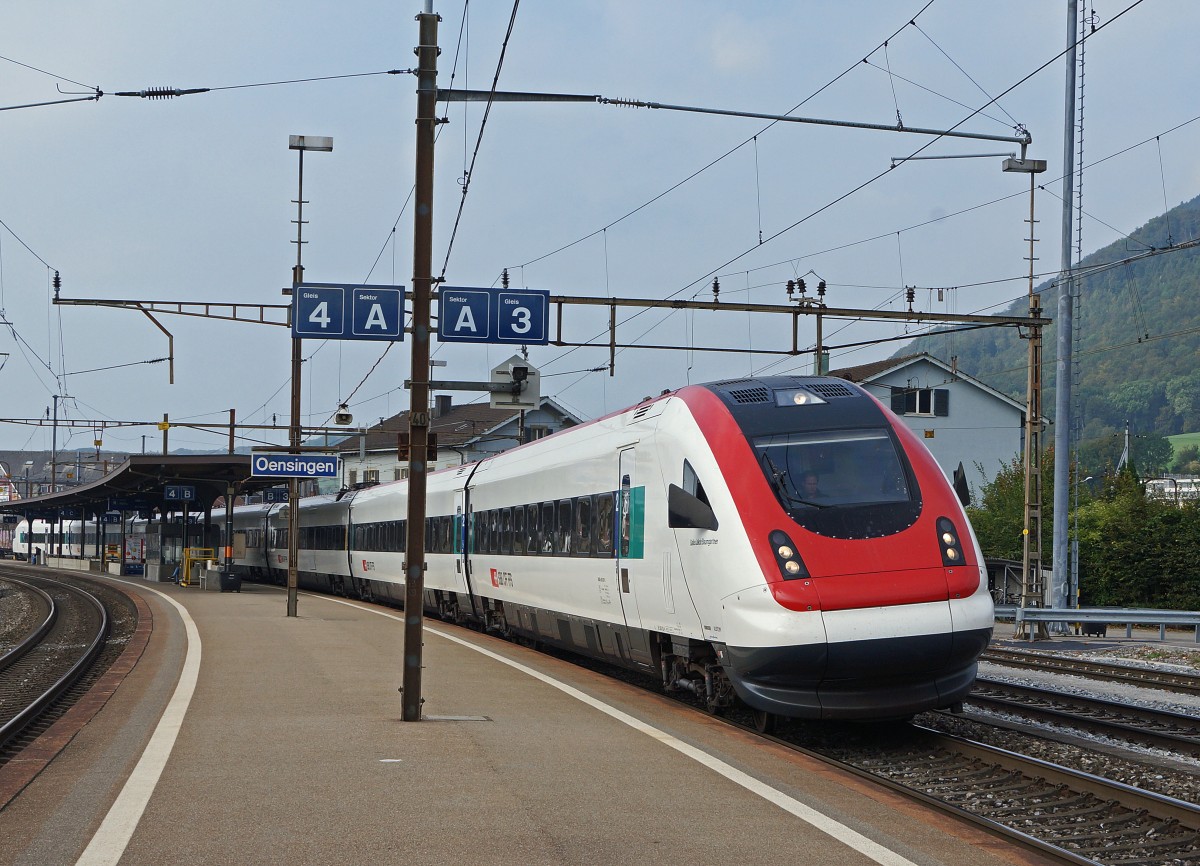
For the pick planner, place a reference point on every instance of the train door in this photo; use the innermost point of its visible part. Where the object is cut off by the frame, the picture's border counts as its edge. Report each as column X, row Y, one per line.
column 631, row 523
column 462, row 544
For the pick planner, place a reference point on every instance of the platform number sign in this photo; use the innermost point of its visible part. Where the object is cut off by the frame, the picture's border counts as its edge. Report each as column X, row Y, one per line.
column 336, row 311
column 179, row 492
column 517, row 316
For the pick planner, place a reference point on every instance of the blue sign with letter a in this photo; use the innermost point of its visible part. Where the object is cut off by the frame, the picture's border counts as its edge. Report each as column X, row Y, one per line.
column 336, row 311
column 494, row 316
column 464, row 315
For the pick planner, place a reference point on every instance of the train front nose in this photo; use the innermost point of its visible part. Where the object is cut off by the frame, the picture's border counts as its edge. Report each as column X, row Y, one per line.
column 876, row 662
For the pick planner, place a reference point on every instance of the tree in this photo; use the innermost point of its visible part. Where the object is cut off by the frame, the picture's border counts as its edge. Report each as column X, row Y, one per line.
column 999, row 519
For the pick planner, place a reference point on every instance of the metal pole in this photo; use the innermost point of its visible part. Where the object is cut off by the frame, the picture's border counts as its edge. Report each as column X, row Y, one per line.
column 54, row 448
column 1060, row 595
column 294, row 425
column 418, row 437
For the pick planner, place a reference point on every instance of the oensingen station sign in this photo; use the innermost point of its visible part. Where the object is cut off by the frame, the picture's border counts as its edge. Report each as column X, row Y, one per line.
column 276, row 465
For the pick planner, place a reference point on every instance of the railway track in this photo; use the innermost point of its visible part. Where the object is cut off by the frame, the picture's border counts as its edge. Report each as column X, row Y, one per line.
column 1120, row 721
column 1147, row 677
column 1073, row 816
column 51, row 658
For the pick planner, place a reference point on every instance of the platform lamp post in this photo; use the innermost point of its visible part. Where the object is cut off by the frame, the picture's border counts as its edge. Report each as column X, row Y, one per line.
column 300, row 144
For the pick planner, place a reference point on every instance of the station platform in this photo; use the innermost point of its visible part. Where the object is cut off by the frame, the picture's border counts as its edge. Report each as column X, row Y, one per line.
column 245, row 736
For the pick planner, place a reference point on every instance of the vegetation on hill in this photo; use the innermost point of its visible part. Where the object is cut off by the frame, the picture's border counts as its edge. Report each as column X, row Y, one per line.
column 1136, row 355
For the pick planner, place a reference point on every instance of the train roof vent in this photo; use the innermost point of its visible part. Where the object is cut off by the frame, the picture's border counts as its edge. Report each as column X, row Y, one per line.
column 830, row 389
column 756, row 394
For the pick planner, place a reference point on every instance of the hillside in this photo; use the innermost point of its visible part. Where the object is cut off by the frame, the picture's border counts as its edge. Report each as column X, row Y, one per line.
column 1140, row 336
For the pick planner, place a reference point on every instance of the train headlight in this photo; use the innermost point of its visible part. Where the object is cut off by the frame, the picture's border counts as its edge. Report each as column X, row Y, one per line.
column 951, row 548
column 796, row 397
column 791, row 566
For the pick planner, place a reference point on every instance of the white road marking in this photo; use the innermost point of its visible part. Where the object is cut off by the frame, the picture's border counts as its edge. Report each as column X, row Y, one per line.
column 836, row 829
column 111, row 839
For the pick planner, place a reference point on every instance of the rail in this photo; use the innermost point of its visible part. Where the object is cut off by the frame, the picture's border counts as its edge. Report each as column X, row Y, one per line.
column 1105, row 615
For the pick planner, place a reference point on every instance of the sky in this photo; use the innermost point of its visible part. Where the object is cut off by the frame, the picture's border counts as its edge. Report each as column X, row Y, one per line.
column 192, row 199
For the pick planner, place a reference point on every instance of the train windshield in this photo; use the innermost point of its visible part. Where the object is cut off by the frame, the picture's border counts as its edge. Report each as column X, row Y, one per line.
column 823, row 469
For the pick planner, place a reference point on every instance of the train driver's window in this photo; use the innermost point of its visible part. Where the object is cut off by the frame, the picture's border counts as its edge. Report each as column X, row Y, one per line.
column 518, row 523
column 546, row 530
column 604, row 524
column 563, row 535
column 691, row 483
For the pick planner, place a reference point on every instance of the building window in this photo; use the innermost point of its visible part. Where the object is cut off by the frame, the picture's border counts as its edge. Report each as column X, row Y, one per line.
column 535, row 432
column 353, row 477
column 921, row 401
column 371, row 476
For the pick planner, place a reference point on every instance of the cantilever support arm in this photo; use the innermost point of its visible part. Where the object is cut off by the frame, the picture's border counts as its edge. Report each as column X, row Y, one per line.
column 170, row 343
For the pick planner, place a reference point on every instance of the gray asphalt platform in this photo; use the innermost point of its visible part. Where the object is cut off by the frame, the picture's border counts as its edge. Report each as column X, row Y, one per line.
column 292, row 751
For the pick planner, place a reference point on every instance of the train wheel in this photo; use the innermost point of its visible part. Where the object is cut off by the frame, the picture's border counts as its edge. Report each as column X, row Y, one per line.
column 764, row 722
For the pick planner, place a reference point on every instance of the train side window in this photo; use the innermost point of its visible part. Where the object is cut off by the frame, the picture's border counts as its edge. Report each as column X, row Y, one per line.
column 581, row 541
column 692, row 485
column 518, row 527
column 493, row 530
column 506, row 530
column 604, row 524
column 532, row 515
column 546, row 537
column 562, row 538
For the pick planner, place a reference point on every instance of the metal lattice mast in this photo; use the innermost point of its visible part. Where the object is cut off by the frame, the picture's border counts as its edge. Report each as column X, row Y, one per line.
column 1032, row 586
column 1086, row 19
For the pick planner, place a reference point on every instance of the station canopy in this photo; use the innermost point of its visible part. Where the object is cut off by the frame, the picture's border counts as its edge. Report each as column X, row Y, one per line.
column 140, row 484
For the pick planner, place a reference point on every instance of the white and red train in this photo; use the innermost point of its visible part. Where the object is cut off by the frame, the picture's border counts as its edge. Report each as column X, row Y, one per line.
column 785, row 540
column 782, row 540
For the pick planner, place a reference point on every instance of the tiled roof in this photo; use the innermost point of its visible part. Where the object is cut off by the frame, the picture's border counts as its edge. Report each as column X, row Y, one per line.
column 457, row 427
column 865, row 371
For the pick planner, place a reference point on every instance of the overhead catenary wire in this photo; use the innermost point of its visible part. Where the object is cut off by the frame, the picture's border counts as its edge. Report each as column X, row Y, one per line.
column 992, row 100
column 466, row 184
column 727, row 153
